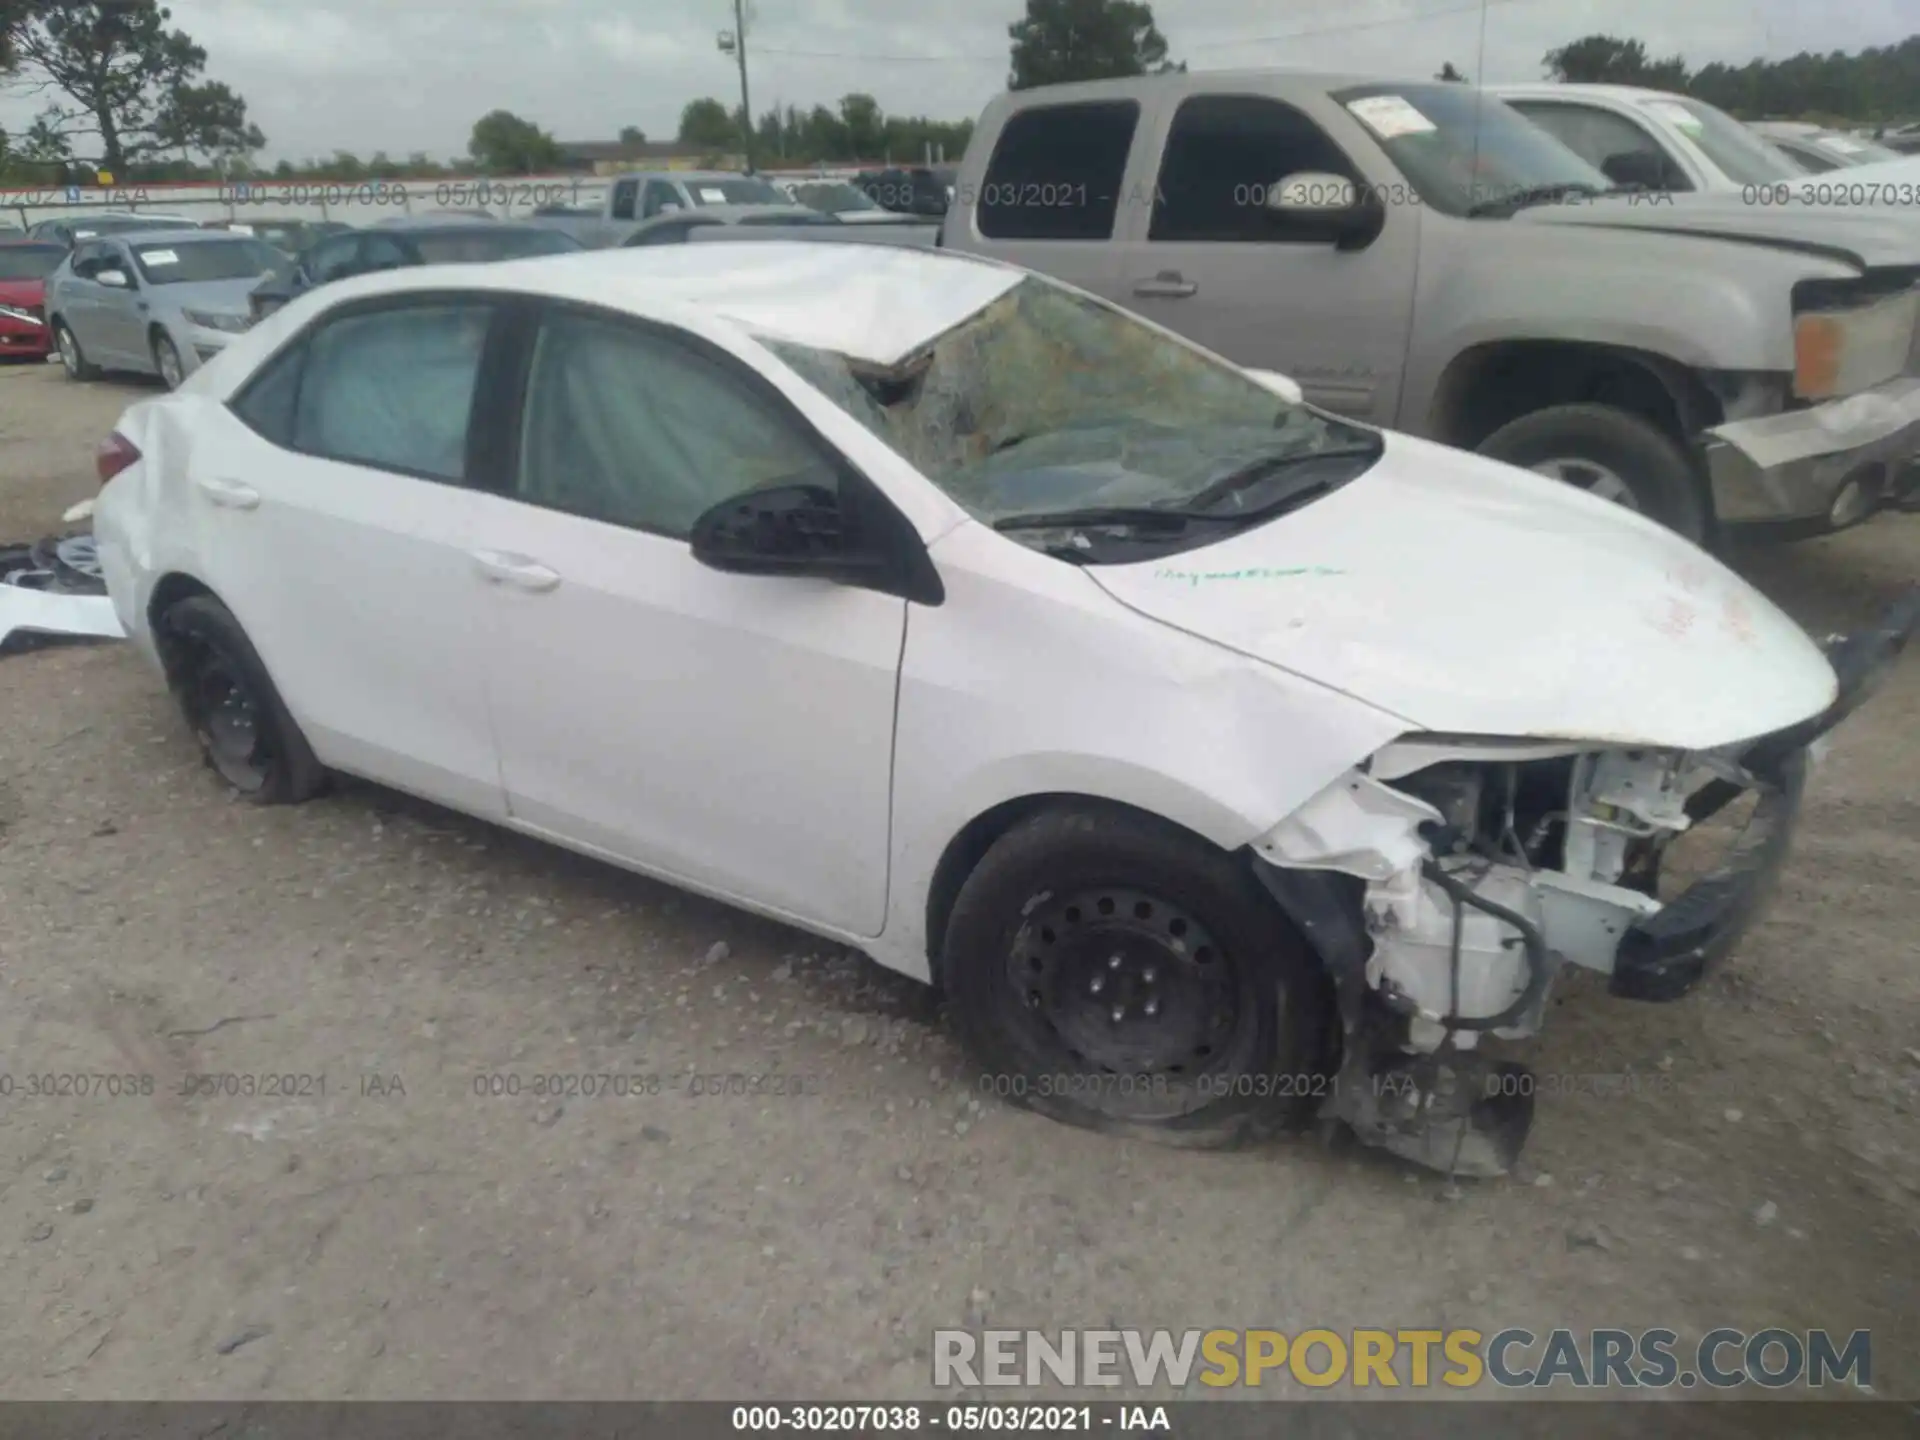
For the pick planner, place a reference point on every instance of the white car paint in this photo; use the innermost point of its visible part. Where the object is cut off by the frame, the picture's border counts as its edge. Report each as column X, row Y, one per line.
column 809, row 751
column 1325, row 596
column 1659, row 115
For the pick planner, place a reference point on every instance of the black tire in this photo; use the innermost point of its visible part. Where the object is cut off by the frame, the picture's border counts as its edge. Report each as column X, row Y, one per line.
column 74, row 361
column 163, row 348
column 1664, row 483
column 1037, row 917
column 248, row 738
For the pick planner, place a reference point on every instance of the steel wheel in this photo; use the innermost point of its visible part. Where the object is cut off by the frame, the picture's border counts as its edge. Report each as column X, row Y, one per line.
column 1134, row 998
column 1596, row 479
column 228, row 717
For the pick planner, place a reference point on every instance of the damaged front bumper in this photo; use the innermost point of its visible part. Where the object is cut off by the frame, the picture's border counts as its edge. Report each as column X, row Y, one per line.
column 1418, row 983
column 1823, row 467
column 1668, row 953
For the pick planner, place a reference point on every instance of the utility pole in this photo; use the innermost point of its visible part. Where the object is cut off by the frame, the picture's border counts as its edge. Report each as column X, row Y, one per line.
column 746, row 105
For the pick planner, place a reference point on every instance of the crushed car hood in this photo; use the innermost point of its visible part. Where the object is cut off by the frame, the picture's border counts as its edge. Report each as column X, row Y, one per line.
column 1868, row 238
column 1473, row 598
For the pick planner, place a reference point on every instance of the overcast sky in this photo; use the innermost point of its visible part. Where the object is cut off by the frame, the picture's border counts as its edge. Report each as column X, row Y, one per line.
column 406, row 75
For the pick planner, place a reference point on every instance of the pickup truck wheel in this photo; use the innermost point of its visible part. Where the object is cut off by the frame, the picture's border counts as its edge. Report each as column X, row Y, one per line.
column 1112, row 972
column 243, row 727
column 1611, row 453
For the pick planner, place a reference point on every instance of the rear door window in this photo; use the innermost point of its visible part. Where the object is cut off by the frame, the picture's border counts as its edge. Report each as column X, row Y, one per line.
column 393, row 388
column 1057, row 171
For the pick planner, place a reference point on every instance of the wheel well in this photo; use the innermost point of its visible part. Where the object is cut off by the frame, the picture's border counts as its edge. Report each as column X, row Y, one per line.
column 1490, row 385
column 977, row 836
column 170, row 591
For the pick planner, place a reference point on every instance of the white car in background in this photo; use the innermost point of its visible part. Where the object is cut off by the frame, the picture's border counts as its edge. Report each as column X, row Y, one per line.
column 842, row 199
column 1818, row 149
column 1652, row 138
column 1223, row 760
column 1676, row 144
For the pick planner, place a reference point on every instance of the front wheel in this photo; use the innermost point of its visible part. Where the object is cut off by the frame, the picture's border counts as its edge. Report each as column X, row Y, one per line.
column 1110, row 971
column 72, row 358
column 166, row 359
column 1612, row 454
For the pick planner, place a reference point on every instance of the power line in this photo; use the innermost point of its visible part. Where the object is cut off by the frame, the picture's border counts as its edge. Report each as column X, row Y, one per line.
column 1416, row 18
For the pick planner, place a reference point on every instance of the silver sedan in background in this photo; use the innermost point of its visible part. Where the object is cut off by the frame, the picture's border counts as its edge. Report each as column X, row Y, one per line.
column 160, row 303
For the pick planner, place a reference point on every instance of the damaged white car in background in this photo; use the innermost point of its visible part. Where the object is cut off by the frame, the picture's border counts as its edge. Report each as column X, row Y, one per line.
column 1223, row 761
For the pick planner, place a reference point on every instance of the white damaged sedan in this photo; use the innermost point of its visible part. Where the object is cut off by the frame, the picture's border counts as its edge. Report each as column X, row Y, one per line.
column 1223, row 761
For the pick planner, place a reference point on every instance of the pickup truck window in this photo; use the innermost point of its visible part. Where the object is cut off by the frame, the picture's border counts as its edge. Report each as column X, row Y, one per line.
column 1056, row 172
column 660, row 196
column 624, row 194
column 1462, row 148
column 1224, row 153
column 1604, row 140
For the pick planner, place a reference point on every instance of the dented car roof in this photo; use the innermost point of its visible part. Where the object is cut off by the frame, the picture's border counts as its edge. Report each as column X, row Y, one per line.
column 870, row 303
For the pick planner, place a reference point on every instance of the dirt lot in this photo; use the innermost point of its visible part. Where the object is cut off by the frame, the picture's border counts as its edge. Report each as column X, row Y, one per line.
column 401, row 1236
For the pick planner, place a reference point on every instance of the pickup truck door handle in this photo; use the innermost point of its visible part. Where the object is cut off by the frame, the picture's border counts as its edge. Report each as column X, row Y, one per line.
column 519, row 571
column 230, row 494
column 1168, row 285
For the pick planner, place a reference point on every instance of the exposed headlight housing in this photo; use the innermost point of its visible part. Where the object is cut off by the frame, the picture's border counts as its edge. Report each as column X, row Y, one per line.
column 1841, row 352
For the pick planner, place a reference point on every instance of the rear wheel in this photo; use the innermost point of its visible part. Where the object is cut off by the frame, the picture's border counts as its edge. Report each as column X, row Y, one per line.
column 1612, row 454
column 1110, row 971
column 244, row 730
column 72, row 358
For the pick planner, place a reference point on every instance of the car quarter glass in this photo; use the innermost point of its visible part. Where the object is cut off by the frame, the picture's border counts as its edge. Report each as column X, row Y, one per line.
column 626, row 425
column 394, row 387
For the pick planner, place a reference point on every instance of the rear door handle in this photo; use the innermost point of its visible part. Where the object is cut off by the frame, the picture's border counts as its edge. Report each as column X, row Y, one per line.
column 519, row 571
column 1168, row 285
column 230, row 494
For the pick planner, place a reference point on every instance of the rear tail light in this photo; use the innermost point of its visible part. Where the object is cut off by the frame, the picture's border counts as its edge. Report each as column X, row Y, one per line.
column 114, row 454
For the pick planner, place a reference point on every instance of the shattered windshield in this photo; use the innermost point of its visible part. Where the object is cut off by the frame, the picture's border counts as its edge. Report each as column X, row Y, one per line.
column 1047, row 402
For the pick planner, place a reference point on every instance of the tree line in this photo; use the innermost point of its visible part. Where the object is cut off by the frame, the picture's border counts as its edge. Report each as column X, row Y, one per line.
column 125, row 92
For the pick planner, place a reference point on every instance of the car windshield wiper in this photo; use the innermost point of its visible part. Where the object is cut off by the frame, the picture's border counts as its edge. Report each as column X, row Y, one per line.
column 1146, row 516
column 1266, row 468
column 1532, row 195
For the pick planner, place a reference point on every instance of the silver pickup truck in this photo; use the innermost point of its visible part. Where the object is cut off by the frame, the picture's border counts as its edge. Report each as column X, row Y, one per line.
column 1421, row 256
column 632, row 200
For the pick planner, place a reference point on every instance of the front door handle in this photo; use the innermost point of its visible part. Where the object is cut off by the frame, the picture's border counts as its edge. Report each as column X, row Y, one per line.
column 1168, row 285
column 519, row 571
column 230, row 494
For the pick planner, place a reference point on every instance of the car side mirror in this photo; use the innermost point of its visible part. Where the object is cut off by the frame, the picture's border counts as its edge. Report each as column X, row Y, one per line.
column 1636, row 169
column 783, row 530
column 114, row 279
column 1351, row 217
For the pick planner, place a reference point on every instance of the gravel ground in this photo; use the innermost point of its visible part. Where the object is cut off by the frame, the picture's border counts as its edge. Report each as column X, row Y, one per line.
column 401, row 1236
